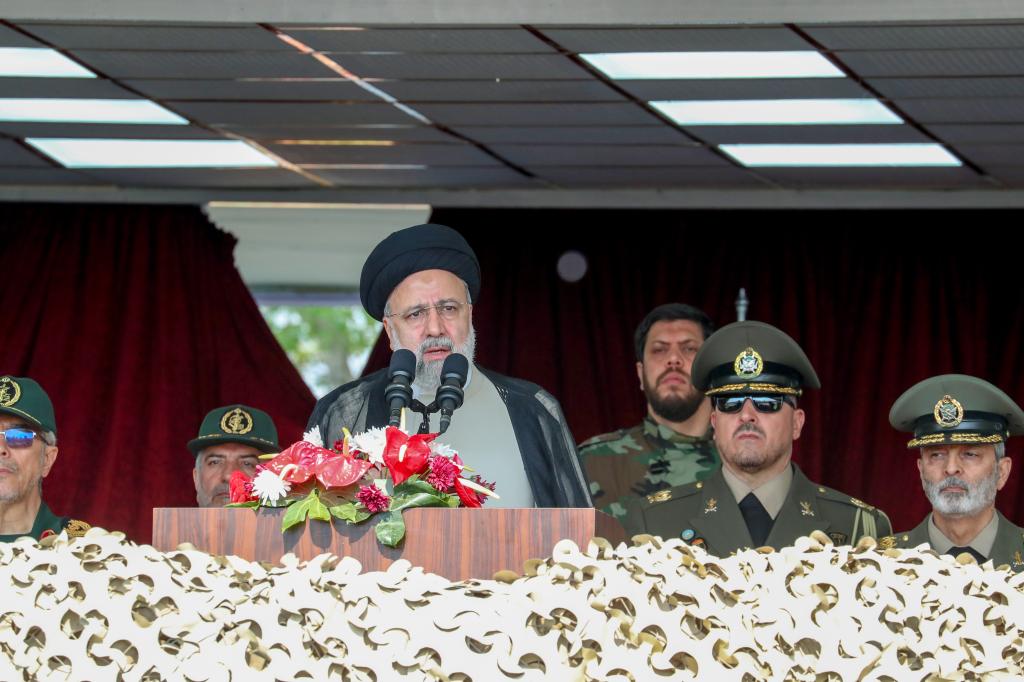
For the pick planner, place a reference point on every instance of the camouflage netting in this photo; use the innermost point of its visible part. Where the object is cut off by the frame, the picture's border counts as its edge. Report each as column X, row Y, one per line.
column 99, row 607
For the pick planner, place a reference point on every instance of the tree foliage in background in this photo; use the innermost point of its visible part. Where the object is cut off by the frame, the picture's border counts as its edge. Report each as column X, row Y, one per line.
column 329, row 345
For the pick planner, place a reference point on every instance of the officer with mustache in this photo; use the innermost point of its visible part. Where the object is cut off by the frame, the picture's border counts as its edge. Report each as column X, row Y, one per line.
column 754, row 375
column 960, row 426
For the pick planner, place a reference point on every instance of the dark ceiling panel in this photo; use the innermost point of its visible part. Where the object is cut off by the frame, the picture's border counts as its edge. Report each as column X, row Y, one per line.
column 610, row 155
column 275, row 113
column 11, row 38
column 461, row 66
column 907, row 88
column 656, row 134
column 537, row 114
column 973, row 110
column 993, row 154
column 43, row 176
column 13, row 154
column 425, row 154
column 675, row 39
column 946, row 63
column 1010, row 176
column 316, row 131
column 817, row 134
column 76, row 88
column 176, row 38
column 500, row 91
column 879, row 178
column 667, row 176
column 338, row 89
column 996, row 132
column 216, row 65
column 935, row 37
column 421, row 39
column 185, row 132
column 743, row 88
column 202, row 177
column 429, row 177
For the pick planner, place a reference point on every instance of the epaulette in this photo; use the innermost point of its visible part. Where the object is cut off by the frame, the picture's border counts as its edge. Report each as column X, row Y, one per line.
column 675, row 493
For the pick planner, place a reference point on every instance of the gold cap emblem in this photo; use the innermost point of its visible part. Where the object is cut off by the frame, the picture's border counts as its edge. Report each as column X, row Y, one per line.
column 236, row 422
column 948, row 412
column 748, row 364
column 10, row 391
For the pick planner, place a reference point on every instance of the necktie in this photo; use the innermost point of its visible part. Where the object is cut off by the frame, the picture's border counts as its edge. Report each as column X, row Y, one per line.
column 759, row 521
column 957, row 551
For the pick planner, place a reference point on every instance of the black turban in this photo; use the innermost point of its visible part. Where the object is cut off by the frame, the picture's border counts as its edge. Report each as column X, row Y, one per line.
column 416, row 248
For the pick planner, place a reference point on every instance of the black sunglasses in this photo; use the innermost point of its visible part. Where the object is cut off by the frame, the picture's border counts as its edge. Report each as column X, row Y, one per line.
column 731, row 404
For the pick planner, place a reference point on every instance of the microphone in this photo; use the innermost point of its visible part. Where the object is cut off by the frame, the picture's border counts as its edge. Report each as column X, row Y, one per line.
column 449, row 393
column 398, row 394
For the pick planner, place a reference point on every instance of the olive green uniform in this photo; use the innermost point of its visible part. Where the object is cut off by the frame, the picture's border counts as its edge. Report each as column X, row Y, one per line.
column 48, row 523
column 630, row 464
column 1007, row 549
column 706, row 513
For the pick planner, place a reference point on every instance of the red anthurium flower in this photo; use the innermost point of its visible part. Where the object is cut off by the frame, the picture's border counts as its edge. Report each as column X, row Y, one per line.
column 338, row 471
column 406, row 455
column 304, row 456
column 240, row 488
column 468, row 497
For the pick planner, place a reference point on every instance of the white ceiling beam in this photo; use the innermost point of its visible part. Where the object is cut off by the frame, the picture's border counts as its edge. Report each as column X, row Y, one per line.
column 486, row 12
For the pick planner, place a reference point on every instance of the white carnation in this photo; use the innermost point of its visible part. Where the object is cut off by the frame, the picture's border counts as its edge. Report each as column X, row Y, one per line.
column 371, row 443
column 269, row 487
column 313, row 436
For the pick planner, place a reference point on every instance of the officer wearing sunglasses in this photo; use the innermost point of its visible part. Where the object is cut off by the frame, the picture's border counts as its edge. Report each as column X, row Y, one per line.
column 28, row 449
column 754, row 375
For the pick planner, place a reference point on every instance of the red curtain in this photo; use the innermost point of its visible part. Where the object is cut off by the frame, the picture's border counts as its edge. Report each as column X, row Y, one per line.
column 136, row 322
column 878, row 300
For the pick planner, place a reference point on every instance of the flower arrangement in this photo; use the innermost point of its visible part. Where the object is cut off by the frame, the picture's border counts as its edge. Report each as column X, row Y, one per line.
column 376, row 473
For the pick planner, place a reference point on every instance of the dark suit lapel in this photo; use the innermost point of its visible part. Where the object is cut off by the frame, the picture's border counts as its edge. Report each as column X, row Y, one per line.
column 719, row 521
column 799, row 515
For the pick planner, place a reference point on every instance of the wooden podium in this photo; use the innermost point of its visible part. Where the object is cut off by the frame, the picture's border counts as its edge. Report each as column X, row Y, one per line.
column 456, row 543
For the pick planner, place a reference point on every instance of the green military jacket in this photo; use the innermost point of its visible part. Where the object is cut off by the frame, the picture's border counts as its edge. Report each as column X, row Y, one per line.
column 48, row 523
column 705, row 513
column 1008, row 548
column 630, row 464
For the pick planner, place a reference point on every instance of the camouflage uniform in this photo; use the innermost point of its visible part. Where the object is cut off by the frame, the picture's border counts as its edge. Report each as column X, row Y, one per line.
column 633, row 463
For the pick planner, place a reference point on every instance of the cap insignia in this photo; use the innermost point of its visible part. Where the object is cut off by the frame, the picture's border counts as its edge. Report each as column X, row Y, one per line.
column 748, row 364
column 10, row 391
column 948, row 412
column 236, row 422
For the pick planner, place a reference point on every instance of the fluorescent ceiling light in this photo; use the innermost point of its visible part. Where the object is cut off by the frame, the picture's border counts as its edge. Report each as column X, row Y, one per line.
column 86, row 111
column 777, row 112
column 39, row 62
column 755, row 155
column 103, row 153
column 659, row 65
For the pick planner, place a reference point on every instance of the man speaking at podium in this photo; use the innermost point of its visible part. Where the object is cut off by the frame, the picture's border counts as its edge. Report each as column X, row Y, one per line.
column 421, row 282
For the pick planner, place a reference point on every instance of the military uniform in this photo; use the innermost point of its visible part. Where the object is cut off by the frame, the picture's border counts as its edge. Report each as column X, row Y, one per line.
column 625, row 466
column 957, row 409
column 707, row 514
column 1007, row 549
column 755, row 362
column 25, row 398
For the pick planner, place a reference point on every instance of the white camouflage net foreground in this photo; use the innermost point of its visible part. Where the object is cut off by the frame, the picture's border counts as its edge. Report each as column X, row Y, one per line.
column 101, row 608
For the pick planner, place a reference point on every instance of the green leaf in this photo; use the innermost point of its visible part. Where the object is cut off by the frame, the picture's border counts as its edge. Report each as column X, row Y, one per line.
column 391, row 529
column 252, row 504
column 350, row 512
column 414, row 484
column 299, row 510
column 417, row 500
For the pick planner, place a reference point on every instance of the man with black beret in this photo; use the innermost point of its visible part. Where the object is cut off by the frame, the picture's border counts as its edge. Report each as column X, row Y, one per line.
column 231, row 438
column 421, row 282
column 28, row 449
column 754, row 374
column 960, row 425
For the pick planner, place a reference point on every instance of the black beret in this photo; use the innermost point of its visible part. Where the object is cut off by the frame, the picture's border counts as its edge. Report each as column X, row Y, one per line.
column 416, row 248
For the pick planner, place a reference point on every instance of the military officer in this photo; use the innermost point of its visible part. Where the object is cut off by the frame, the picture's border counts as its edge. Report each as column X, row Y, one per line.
column 673, row 444
column 960, row 425
column 231, row 438
column 754, row 375
column 28, row 449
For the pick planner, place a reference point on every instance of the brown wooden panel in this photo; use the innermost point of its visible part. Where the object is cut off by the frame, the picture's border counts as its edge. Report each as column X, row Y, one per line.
column 456, row 543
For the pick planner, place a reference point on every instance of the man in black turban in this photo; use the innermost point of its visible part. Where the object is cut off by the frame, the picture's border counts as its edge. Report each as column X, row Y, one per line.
column 421, row 282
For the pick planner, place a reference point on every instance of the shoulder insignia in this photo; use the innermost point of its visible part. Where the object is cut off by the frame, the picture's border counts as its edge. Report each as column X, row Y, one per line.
column 76, row 528
column 674, row 493
column 861, row 504
column 887, row 542
column 660, row 496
